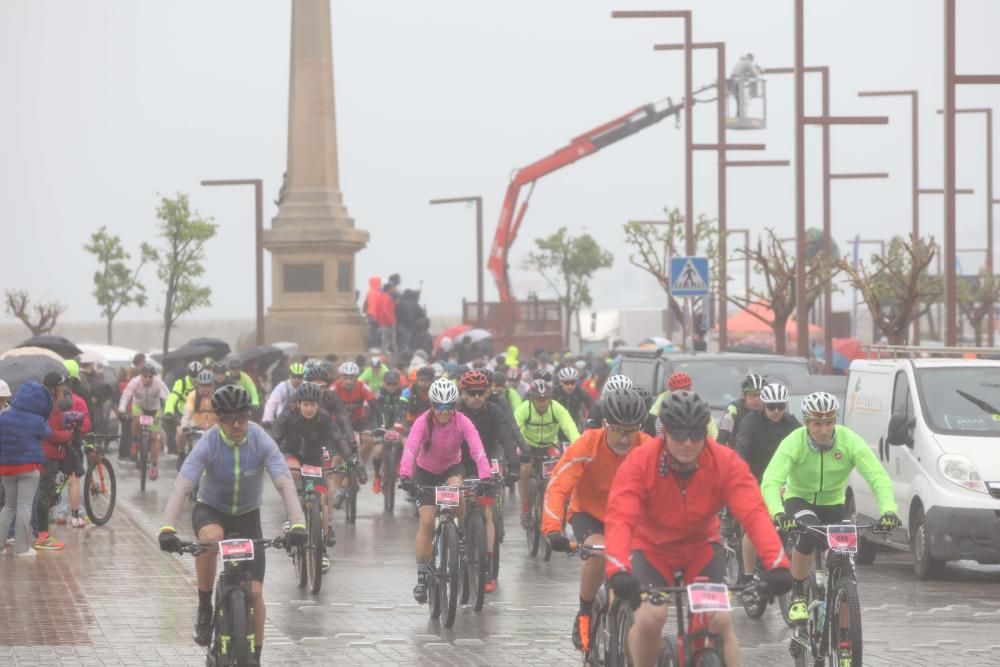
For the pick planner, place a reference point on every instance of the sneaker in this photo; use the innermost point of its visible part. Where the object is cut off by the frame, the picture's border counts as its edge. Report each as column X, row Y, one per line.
column 325, row 563
column 377, row 484
column 154, row 474
column 420, row 590
column 338, row 500
column 48, row 544
column 797, row 611
column 491, row 586
column 743, row 579
column 77, row 522
column 27, row 553
column 525, row 520
column 362, row 475
column 203, row 627
column 285, row 527
column 844, row 654
column 581, row 631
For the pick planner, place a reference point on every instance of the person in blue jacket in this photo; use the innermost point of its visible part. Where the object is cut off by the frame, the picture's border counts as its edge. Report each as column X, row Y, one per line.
column 22, row 429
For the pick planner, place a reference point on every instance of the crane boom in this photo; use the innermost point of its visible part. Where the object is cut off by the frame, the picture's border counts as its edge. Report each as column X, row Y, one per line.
column 579, row 147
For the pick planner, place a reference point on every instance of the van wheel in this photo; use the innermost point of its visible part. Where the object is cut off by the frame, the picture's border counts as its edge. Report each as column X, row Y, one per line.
column 925, row 566
column 866, row 548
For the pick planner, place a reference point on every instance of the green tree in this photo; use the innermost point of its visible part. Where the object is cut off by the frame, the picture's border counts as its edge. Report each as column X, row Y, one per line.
column 897, row 288
column 115, row 284
column 568, row 263
column 648, row 241
column 181, row 262
column 976, row 297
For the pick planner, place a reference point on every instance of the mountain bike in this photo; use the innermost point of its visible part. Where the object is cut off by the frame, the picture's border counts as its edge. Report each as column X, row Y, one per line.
column 100, row 487
column 307, row 559
column 350, row 469
column 498, row 527
column 754, row 603
column 145, row 442
column 542, row 465
column 233, row 639
column 833, row 629
column 474, row 561
column 191, row 437
column 599, row 644
column 392, row 451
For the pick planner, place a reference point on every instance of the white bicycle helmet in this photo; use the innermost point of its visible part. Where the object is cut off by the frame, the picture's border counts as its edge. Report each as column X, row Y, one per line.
column 618, row 382
column 443, row 390
column 349, row 368
column 774, row 394
column 820, row 405
column 569, row 374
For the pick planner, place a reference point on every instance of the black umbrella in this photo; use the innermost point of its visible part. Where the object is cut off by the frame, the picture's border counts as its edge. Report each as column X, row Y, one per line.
column 220, row 348
column 64, row 347
column 263, row 355
column 15, row 371
column 189, row 352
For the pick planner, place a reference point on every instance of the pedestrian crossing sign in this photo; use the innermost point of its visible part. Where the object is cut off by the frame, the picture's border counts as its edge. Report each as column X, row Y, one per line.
column 688, row 276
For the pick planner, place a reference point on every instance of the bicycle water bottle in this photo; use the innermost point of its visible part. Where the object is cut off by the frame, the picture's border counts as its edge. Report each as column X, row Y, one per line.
column 820, row 581
column 821, row 614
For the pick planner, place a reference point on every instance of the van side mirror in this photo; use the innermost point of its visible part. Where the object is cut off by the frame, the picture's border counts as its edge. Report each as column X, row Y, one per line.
column 901, row 430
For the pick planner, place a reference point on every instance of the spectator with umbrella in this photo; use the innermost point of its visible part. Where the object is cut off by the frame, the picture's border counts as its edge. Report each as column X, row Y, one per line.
column 22, row 429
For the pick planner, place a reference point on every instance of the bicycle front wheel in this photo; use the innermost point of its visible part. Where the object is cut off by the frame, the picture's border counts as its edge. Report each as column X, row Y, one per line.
column 314, row 547
column 448, row 575
column 534, row 521
column 497, row 539
column 845, row 597
column 143, row 460
column 100, row 491
column 389, row 480
column 620, row 620
column 234, row 639
column 475, row 557
column 352, row 499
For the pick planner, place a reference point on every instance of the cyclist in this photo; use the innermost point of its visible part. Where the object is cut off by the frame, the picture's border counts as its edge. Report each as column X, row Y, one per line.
column 281, row 394
column 583, row 477
column 759, row 436
column 433, row 456
column 571, row 396
column 417, row 395
column 228, row 465
column 305, row 433
column 596, row 417
column 649, row 540
column 813, row 464
column 148, row 394
column 360, row 401
column 494, row 430
column 183, row 386
column 374, row 375
column 729, row 425
column 539, row 419
column 238, row 376
column 198, row 410
column 388, row 416
column 503, row 394
column 220, row 373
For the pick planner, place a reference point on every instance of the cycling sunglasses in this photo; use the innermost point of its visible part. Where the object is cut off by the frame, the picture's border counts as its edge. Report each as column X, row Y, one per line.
column 775, row 407
column 391, row 386
column 692, row 434
column 229, row 420
column 476, row 393
column 442, row 407
column 624, row 431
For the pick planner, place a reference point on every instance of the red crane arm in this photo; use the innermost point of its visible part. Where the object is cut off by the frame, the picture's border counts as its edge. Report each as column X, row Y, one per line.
column 579, row 147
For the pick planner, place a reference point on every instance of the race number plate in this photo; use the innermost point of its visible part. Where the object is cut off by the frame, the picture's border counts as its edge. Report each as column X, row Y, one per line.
column 145, row 420
column 391, row 436
column 470, row 483
column 446, row 496
column 708, row 597
column 548, row 467
column 843, row 538
column 495, row 467
column 312, row 471
column 236, row 550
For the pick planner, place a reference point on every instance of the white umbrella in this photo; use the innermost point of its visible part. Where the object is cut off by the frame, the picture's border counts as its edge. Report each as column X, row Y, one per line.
column 30, row 351
column 475, row 335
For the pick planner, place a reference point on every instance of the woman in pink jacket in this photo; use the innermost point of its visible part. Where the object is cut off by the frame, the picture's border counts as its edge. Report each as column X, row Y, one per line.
column 433, row 457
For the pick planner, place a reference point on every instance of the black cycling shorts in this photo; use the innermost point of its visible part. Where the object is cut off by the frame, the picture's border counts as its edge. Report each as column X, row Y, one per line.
column 648, row 575
column 242, row 525
column 425, row 478
column 800, row 509
column 366, row 423
column 584, row 525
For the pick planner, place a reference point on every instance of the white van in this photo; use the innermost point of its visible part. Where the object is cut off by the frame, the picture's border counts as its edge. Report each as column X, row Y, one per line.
column 935, row 426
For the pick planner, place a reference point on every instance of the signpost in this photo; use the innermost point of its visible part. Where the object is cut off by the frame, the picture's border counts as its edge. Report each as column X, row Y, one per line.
column 688, row 279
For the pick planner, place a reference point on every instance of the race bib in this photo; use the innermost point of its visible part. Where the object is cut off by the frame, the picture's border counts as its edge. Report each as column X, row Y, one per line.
column 145, row 420
column 236, row 550
column 843, row 538
column 494, row 466
column 548, row 467
column 446, row 496
column 708, row 597
column 312, row 471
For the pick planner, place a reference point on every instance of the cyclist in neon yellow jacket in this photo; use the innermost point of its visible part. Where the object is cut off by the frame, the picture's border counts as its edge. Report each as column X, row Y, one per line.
column 540, row 419
column 813, row 464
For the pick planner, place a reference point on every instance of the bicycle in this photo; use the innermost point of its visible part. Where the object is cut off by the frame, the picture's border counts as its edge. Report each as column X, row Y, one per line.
column 191, row 437
column 831, row 593
column 307, row 560
column 100, row 490
column 233, row 639
column 145, row 437
column 541, row 469
column 474, row 561
column 349, row 468
column 754, row 604
column 498, row 527
column 392, row 451
column 602, row 629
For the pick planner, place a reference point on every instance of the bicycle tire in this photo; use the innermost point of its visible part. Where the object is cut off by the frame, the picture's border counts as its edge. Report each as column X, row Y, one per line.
column 100, row 505
column 783, row 605
column 352, row 498
column 845, row 592
column 314, row 547
column 621, row 619
column 449, row 579
column 433, row 592
column 143, row 460
column 237, row 625
column 596, row 655
column 708, row 658
column 497, row 540
column 475, row 557
column 389, row 480
column 181, row 452
column 534, row 527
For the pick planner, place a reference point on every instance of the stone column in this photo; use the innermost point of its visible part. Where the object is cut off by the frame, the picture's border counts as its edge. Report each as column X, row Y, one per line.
column 313, row 240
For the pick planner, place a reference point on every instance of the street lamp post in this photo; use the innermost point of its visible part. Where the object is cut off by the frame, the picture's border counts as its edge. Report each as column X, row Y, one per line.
column 258, row 186
column 478, row 201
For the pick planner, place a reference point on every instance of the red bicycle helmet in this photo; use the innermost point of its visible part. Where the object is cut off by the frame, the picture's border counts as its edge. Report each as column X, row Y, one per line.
column 679, row 380
column 474, row 379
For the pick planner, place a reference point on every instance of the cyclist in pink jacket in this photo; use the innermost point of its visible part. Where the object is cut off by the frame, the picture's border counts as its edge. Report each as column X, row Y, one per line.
column 433, row 457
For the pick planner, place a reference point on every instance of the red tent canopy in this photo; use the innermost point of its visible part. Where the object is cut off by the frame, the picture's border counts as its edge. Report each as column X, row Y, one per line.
column 744, row 325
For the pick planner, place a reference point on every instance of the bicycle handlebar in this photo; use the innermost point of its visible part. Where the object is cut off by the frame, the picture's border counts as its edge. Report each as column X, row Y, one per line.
column 198, row 548
column 661, row 595
column 585, row 551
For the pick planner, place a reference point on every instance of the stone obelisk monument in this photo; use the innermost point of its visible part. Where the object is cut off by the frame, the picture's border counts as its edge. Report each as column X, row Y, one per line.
column 312, row 240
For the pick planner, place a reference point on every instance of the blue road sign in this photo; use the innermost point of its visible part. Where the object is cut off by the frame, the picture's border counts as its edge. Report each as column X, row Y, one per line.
column 688, row 276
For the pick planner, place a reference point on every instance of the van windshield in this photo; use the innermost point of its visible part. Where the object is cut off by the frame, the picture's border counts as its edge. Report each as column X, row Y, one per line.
column 718, row 379
column 961, row 401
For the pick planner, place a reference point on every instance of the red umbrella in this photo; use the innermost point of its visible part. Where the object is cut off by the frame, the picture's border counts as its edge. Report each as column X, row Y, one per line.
column 452, row 333
column 849, row 347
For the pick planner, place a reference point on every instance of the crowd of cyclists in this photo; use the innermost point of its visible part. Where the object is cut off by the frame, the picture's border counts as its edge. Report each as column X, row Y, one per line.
column 645, row 475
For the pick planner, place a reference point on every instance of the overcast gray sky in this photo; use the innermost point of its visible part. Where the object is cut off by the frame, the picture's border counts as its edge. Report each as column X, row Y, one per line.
column 108, row 103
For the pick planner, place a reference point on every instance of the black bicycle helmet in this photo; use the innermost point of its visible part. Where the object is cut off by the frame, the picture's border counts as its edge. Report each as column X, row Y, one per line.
column 230, row 399
column 194, row 368
column 219, row 367
column 685, row 409
column 148, row 369
column 542, row 374
column 647, row 396
column 540, row 389
column 753, row 383
column 391, row 377
column 308, row 391
column 318, row 374
column 425, row 373
column 625, row 407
